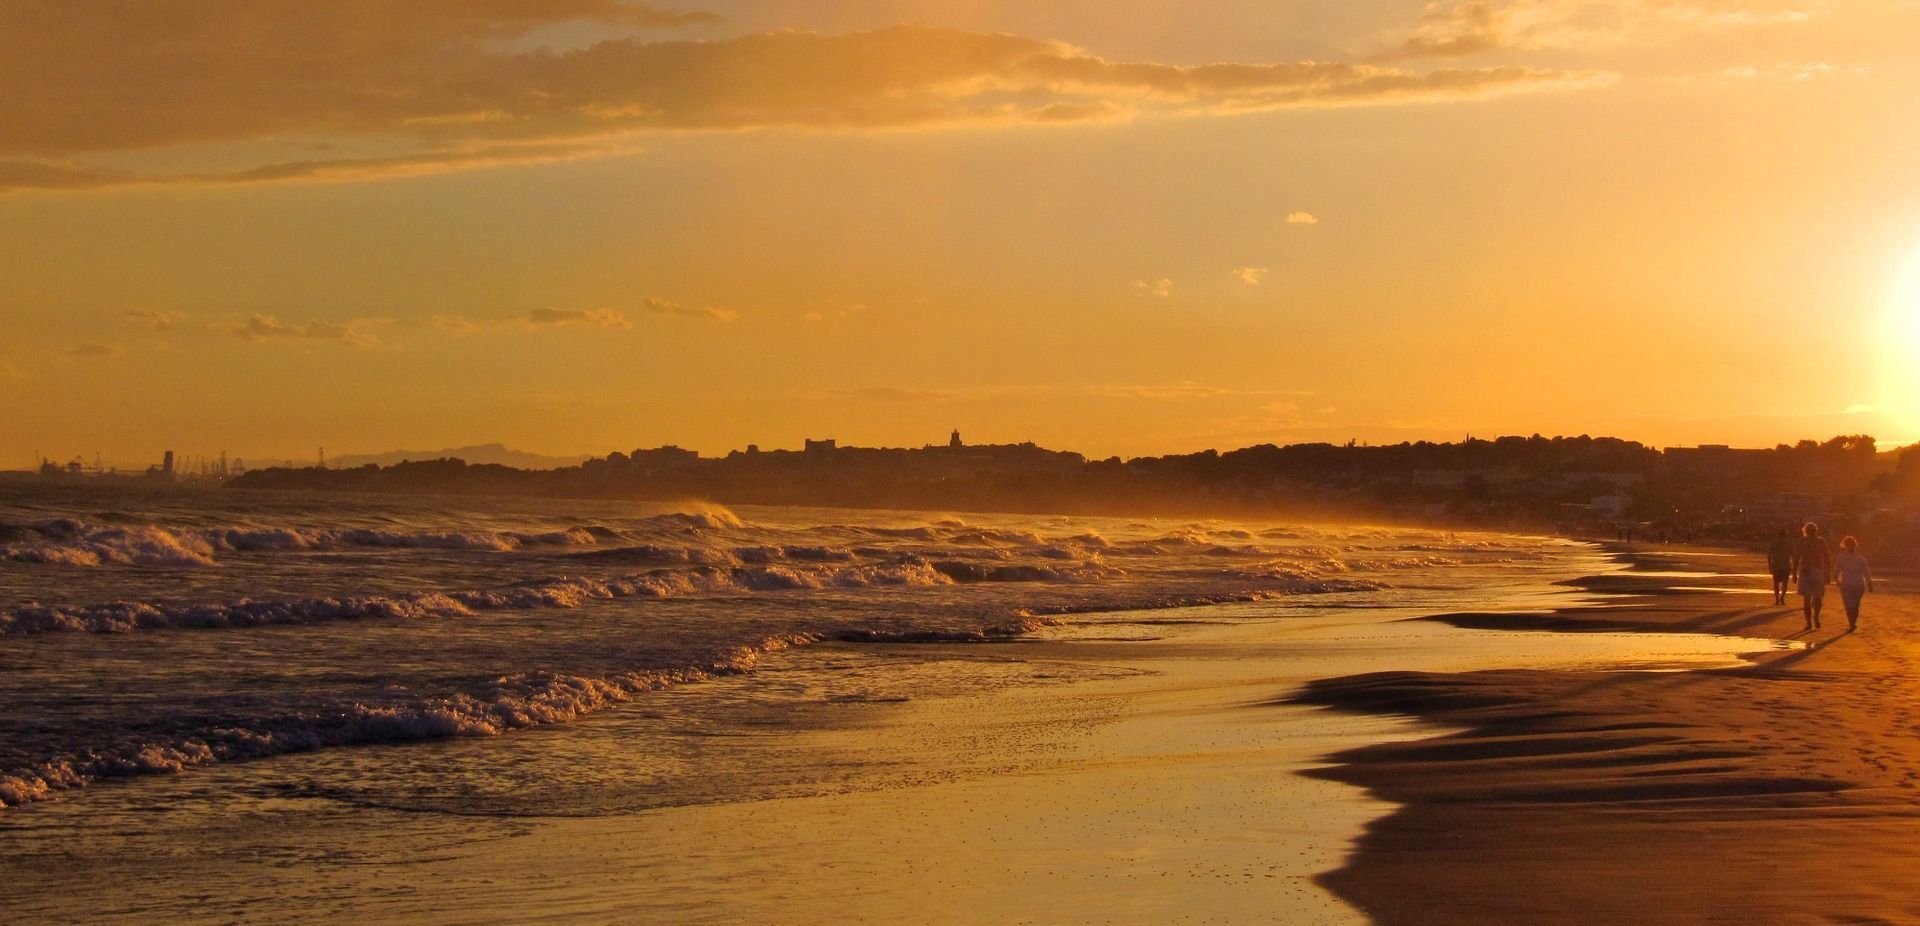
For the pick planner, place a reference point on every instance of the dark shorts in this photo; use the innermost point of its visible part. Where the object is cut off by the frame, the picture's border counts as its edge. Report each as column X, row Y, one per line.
column 1783, row 575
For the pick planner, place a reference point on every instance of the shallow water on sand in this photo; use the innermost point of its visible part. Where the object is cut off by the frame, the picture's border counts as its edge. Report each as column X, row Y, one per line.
column 147, row 631
column 677, row 789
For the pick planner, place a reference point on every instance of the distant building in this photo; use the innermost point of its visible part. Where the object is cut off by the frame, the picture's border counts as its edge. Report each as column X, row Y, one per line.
column 954, row 442
column 642, row 461
column 163, row 472
column 821, row 446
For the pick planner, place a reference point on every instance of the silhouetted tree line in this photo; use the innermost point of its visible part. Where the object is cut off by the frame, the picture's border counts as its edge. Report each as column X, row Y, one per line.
column 1509, row 481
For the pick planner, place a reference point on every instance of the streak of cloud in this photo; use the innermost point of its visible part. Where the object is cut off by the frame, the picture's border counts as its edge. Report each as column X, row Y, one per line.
column 152, row 319
column 403, row 89
column 1465, row 28
column 597, row 318
column 260, row 327
column 895, row 394
column 710, row 313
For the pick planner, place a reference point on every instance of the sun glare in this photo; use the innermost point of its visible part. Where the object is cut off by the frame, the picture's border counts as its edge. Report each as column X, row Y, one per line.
column 1906, row 292
column 1901, row 373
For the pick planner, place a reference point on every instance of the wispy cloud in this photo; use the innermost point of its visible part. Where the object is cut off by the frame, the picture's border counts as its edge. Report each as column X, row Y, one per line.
column 1250, row 275
column 711, row 313
column 154, row 320
column 896, row 394
column 93, row 350
column 1790, row 71
column 410, row 88
column 832, row 313
column 1464, row 28
column 538, row 319
column 1302, row 218
column 598, row 318
column 260, row 327
column 456, row 324
column 1184, row 389
column 25, row 175
column 1273, row 421
column 1161, row 288
column 1175, row 391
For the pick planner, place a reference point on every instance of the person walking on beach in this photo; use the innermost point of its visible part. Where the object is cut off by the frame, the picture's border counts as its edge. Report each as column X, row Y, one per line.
column 1780, row 563
column 1815, row 560
column 1856, row 580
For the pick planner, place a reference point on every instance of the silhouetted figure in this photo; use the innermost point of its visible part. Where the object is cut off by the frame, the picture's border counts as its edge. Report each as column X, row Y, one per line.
column 1815, row 562
column 1780, row 564
column 1856, row 580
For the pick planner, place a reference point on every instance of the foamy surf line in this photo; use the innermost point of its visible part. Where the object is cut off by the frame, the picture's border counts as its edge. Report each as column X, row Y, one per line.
column 569, row 592
column 558, row 592
column 75, row 542
column 506, row 704
column 502, row 706
column 744, row 588
column 1135, row 800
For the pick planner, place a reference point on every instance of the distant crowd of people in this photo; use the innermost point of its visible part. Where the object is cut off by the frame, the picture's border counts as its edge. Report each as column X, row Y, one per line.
column 1815, row 566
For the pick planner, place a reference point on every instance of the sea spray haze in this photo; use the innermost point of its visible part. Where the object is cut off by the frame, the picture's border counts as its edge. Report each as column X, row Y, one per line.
column 150, row 631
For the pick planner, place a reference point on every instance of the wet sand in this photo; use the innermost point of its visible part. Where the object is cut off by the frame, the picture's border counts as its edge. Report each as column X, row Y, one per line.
column 1783, row 792
column 1128, row 768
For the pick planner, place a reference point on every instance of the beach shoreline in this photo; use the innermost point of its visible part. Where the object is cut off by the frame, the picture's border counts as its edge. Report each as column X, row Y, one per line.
column 1782, row 791
column 1124, row 767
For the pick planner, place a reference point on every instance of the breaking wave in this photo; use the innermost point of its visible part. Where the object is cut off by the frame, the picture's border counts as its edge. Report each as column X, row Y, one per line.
column 504, row 704
column 488, row 579
column 68, row 542
column 74, row 542
column 554, row 592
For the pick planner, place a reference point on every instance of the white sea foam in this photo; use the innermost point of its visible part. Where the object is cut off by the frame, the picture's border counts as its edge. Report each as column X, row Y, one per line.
column 72, row 543
column 69, row 542
column 505, row 704
column 695, row 514
column 554, row 592
column 943, row 580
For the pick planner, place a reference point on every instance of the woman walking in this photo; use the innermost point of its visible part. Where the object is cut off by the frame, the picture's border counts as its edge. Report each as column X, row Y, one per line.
column 1856, row 580
column 1816, row 570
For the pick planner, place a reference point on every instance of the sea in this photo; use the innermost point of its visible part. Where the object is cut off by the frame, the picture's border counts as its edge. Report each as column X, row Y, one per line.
column 170, row 655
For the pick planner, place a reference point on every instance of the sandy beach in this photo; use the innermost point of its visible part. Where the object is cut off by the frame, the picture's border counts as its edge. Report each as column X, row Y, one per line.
column 1783, row 792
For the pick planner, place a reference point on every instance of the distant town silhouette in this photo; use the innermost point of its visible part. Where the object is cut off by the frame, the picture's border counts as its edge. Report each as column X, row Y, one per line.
column 1589, row 486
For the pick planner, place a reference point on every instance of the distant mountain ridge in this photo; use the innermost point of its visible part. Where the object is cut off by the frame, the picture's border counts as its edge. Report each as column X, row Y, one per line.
column 477, row 454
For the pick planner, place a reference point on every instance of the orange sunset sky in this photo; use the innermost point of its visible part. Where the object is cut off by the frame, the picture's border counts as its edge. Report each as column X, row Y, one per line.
column 1114, row 226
